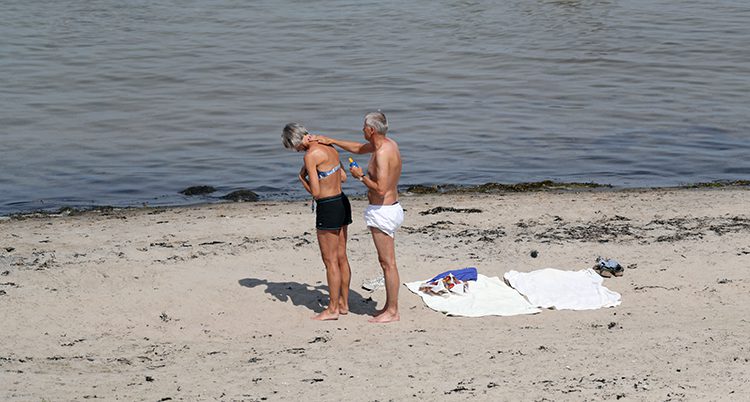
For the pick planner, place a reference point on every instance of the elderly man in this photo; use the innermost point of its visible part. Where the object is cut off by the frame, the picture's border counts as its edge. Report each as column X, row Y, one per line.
column 384, row 215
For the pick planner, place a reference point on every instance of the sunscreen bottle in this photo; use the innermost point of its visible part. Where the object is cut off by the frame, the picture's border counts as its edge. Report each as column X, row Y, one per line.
column 352, row 163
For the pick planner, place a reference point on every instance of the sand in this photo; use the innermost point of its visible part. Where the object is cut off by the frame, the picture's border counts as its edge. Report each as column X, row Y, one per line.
column 213, row 302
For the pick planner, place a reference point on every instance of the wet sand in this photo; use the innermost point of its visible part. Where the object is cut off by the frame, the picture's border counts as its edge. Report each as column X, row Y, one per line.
column 213, row 302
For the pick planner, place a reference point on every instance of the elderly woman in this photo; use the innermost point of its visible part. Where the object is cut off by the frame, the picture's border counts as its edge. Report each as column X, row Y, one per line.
column 322, row 176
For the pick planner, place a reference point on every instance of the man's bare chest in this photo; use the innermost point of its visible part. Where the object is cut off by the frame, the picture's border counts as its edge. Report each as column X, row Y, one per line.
column 372, row 168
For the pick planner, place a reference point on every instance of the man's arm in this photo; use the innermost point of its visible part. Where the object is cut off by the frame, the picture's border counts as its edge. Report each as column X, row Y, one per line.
column 349, row 146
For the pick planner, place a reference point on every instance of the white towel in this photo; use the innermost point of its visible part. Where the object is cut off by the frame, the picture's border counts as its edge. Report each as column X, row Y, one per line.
column 485, row 296
column 563, row 290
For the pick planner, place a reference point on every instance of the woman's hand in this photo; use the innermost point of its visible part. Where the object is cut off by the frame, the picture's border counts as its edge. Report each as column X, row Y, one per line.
column 303, row 175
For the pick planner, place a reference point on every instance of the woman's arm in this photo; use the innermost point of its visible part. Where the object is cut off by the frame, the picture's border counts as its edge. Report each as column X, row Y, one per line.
column 301, row 176
column 343, row 172
column 312, row 159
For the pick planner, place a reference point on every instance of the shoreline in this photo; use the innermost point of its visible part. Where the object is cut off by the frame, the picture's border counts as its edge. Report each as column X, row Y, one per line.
column 214, row 302
column 437, row 189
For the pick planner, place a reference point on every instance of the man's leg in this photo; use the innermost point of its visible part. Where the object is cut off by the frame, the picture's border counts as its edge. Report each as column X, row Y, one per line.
column 345, row 272
column 328, row 240
column 387, row 257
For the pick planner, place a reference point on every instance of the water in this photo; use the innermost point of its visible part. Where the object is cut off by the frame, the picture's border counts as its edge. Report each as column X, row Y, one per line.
column 123, row 103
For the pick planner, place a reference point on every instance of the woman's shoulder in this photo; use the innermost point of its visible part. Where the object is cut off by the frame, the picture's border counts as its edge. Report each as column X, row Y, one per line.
column 330, row 151
column 322, row 153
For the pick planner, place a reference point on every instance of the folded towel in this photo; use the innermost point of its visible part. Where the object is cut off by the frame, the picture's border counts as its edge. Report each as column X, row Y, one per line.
column 563, row 290
column 485, row 296
column 444, row 286
column 465, row 274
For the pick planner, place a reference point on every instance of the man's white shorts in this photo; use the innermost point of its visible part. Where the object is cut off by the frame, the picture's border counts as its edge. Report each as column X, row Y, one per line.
column 387, row 218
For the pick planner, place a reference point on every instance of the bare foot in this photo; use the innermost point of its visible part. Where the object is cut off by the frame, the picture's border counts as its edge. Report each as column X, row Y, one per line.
column 385, row 317
column 326, row 316
column 343, row 307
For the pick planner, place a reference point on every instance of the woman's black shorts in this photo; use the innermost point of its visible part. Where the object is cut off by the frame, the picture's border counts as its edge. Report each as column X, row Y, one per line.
column 333, row 212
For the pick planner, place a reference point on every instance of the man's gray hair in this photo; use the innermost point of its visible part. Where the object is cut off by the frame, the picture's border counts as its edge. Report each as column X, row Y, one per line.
column 293, row 135
column 377, row 121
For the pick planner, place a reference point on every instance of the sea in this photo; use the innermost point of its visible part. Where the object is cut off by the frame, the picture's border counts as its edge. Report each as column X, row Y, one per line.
column 126, row 103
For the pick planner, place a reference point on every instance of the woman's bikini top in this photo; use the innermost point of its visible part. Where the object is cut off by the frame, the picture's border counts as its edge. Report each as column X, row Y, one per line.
column 329, row 172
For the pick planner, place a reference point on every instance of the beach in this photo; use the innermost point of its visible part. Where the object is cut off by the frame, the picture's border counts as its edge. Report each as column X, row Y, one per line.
column 213, row 302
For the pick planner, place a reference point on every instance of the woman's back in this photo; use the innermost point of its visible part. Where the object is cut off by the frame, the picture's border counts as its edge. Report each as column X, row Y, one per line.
column 329, row 170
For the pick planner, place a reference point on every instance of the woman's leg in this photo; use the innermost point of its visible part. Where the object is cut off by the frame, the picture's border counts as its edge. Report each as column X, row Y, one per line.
column 328, row 240
column 346, row 273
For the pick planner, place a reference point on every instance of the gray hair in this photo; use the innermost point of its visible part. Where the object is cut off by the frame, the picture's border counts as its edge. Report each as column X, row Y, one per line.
column 377, row 121
column 293, row 135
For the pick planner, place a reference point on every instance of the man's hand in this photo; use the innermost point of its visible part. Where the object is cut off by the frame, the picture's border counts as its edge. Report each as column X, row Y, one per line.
column 321, row 139
column 356, row 172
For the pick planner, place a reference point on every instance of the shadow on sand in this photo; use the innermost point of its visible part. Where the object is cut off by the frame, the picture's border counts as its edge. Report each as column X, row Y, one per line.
column 313, row 297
